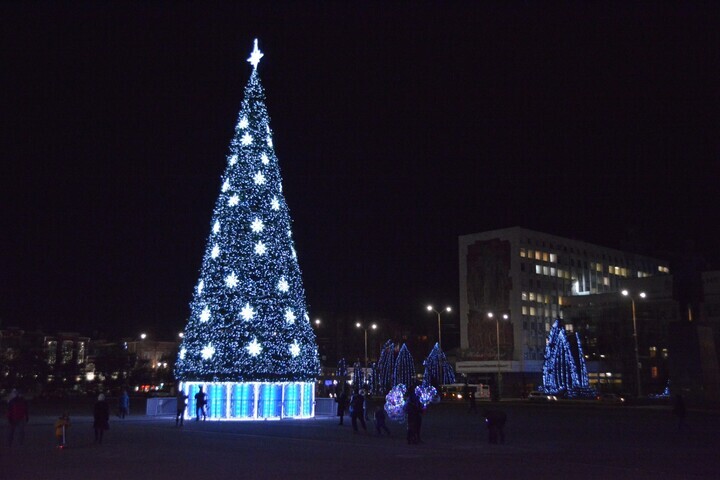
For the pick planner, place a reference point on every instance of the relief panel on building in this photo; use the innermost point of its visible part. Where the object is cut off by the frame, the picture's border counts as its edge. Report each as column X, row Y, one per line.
column 488, row 290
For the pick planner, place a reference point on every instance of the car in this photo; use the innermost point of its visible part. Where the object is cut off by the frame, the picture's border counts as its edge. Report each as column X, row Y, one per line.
column 541, row 397
column 611, row 398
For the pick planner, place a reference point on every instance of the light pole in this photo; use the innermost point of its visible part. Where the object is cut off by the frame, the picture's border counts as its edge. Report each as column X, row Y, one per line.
column 432, row 309
column 372, row 326
column 497, row 340
column 635, row 338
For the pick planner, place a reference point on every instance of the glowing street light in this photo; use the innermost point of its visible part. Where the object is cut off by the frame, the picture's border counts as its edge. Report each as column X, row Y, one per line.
column 317, row 322
column 373, row 327
column 626, row 293
column 497, row 339
column 143, row 336
column 432, row 309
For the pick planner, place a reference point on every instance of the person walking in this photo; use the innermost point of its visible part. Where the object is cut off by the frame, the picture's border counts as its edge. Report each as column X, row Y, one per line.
column 495, row 421
column 124, row 404
column 18, row 416
column 380, row 417
column 61, row 426
column 200, row 402
column 101, row 418
column 181, row 405
column 357, row 412
column 342, row 404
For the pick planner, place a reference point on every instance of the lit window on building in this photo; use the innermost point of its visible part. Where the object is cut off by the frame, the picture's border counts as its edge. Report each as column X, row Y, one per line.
column 664, row 353
column 654, row 372
column 532, row 310
column 653, row 352
column 538, row 269
column 532, row 296
column 553, row 258
column 524, row 296
column 524, row 310
column 522, row 252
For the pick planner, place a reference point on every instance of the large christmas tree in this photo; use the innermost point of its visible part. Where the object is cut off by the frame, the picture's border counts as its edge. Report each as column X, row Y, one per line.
column 248, row 341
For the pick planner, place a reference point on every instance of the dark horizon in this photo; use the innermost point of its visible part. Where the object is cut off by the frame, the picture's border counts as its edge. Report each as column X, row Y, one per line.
column 397, row 130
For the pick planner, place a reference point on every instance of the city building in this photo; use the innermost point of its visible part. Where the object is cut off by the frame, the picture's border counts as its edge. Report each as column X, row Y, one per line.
column 524, row 278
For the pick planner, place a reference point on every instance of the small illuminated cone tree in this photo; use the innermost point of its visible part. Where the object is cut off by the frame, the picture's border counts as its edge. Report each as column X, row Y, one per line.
column 248, row 341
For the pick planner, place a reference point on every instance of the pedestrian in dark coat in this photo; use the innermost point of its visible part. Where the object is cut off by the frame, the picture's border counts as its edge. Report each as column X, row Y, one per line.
column 357, row 411
column 414, row 410
column 380, row 417
column 342, row 404
column 124, row 404
column 180, row 410
column 18, row 416
column 101, row 418
column 200, row 402
column 495, row 421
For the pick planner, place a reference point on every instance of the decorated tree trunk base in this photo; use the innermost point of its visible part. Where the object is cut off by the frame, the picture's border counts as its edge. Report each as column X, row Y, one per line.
column 253, row 400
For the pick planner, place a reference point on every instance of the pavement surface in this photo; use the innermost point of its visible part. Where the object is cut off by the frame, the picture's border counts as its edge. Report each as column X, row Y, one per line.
column 542, row 441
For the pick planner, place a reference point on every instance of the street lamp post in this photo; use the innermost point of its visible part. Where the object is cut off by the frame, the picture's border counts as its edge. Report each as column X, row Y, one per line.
column 373, row 327
column 497, row 340
column 432, row 309
column 635, row 338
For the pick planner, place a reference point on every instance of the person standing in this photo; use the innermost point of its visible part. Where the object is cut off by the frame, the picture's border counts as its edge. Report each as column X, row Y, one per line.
column 357, row 412
column 200, row 402
column 181, row 405
column 17, row 416
column 414, row 410
column 124, row 404
column 380, row 417
column 495, row 421
column 342, row 403
column 101, row 418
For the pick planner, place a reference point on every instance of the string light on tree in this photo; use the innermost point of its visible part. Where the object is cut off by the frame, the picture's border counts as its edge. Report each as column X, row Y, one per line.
column 248, row 339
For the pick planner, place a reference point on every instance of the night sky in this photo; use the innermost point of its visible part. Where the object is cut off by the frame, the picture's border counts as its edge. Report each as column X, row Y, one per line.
column 398, row 127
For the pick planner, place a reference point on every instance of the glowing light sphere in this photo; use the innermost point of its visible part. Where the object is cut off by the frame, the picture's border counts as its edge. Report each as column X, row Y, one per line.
column 395, row 403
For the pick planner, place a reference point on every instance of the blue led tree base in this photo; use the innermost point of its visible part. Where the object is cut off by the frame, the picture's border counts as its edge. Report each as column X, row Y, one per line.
column 248, row 340
column 253, row 400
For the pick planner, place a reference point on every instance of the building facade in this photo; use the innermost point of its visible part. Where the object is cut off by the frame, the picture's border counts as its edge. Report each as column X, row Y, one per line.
column 529, row 277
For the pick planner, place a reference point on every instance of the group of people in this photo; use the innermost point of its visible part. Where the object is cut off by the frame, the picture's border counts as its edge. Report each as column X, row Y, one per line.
column 357, row 406
column 201, row 401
